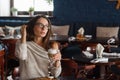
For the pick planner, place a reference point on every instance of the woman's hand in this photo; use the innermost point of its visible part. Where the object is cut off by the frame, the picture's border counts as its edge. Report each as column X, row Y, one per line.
column 23, row 33
column 57, row 58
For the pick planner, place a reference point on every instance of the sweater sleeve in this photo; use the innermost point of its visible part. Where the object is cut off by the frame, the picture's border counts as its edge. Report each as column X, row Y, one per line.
column 56, row 71
column 21, row 50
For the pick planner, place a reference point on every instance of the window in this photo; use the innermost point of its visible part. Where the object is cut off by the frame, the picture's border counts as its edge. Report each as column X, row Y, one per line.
column 39, row 5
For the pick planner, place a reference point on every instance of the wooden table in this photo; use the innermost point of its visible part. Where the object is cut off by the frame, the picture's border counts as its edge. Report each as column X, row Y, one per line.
column 92, row 41
column 103, row 65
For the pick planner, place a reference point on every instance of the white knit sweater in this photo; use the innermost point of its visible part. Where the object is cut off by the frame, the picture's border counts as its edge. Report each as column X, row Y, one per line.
column 34, row 61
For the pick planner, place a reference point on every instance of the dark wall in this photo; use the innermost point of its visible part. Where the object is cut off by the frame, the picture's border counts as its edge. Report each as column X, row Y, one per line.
column 97, row 11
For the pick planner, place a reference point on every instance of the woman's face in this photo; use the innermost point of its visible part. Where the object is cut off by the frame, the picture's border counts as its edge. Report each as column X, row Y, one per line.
column 41, row 27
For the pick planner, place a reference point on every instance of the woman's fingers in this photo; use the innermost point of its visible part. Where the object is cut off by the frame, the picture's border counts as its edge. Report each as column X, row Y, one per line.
column 57, row 57
column 23, row 34
column 23, row 30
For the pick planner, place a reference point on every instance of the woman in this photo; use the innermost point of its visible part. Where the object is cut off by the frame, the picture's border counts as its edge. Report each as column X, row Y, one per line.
column 31, row 49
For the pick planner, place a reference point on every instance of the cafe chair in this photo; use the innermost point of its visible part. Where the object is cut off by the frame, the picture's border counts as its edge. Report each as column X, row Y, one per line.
column 10, row 59
column 115, row 69
column 72, row 71
column 69, row 69
column 2, row 60
column 85, row 70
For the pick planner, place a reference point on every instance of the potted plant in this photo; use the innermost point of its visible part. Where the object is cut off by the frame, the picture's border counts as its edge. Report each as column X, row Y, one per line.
column 49, row 1
column 14, row 11
column 31, row 11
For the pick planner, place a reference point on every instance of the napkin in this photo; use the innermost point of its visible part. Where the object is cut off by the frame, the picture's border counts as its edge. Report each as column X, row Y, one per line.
column 99, row 50
column 87, row 54
column 81, row 31
column 100, row 60
column 111, row 40
column 114, row 54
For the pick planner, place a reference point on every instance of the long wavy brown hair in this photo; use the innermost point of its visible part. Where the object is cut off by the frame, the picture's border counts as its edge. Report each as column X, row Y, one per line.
column 30, row 31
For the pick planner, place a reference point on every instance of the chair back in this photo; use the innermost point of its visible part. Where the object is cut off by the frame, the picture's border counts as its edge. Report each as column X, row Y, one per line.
column 69, row 68
column 2, row 53
column 11, row 60
column 10, row 43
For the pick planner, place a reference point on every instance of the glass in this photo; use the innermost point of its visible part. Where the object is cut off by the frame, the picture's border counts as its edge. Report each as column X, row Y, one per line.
column 53, row 36
column 88, row 49
column 79, row 36
column 88, row 37
column 51, row 53
column 72, row 38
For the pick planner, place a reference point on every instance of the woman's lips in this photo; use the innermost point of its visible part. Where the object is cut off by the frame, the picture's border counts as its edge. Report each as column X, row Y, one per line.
column 42, row 33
